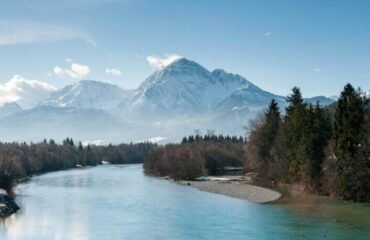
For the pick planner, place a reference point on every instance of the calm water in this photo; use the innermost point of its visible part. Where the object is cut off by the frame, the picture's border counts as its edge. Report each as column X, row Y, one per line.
column 119, row 202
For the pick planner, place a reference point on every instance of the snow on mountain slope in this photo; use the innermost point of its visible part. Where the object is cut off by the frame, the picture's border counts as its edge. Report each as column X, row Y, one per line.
column 251, row 97
column 322, row 100
column 9, row 108
column 184, row 96
column 180, row 89
column 87, row 94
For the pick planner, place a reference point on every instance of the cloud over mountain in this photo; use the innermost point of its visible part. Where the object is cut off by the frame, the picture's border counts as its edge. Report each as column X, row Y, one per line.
column 76, row 70
column 161, row 62
column 113, row 71
column 27, row 93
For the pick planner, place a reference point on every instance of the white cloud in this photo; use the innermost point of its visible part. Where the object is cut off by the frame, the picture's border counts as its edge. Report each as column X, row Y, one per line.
column 267, row 34
column 76, row 70
column 27, row 93
column 317, row 70
column 69, row 60
column 113, row 71
column 97, row 142
column 12, row 33
column 161, row 62
column 92, row 42
column 154, row 139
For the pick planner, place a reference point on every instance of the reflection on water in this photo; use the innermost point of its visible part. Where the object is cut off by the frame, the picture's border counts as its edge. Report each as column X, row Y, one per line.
column 115, row 202
column 357, row 215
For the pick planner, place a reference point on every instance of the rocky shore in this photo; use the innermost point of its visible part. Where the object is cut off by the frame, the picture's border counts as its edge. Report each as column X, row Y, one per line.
column 236, row 188
column 7, row 206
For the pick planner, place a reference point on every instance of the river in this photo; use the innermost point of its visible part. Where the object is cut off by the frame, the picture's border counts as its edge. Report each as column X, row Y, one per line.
column 120, row 202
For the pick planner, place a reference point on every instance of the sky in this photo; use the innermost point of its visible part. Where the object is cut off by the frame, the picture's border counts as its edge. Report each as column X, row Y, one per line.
column 317, row 45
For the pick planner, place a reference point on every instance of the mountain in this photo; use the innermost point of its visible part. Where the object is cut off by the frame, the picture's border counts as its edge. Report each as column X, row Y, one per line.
column 9, row 108
column 58, row 123
column 185, row 88
column 87, row 94
column 26, row 93
column 172, row 102
column 321, row 99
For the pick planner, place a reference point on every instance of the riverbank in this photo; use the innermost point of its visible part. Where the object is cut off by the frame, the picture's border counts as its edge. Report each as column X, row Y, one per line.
column 7, row 205
column 237, row 189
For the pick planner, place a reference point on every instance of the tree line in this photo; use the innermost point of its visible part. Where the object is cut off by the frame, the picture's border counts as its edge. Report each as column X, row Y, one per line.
column 323, row 151
column 191, row 159
column 211, row 137
column 20, row 160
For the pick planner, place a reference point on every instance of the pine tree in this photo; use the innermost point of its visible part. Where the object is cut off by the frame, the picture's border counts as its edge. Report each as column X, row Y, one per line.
column 262, row 139
column 317, row 134
column 71, row 142
column 348, row 135
column 295, row 125
column 80, row 147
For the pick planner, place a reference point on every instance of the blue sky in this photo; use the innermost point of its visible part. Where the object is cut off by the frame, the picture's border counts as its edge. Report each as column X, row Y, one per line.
column 318, row 45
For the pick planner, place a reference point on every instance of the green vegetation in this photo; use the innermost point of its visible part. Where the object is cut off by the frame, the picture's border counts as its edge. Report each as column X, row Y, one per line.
column 308, row 147
column 352, row 145
column 324, row 150
column 20, row 160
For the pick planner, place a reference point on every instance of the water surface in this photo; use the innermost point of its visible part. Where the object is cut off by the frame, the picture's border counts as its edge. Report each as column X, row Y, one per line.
column 119, row 202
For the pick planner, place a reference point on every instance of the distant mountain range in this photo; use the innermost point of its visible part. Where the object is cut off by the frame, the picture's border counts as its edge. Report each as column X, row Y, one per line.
column 170, row 103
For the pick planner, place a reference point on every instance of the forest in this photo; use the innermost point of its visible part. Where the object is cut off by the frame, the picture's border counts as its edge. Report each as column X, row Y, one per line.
column 21, row 160
column 324, row 150
column 196, row 156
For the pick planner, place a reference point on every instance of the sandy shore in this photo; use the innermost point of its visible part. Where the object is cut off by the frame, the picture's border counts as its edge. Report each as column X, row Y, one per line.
column 237, row 189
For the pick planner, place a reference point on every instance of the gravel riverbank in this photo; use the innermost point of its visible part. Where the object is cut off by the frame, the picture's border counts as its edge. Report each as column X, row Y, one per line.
column 237, row 189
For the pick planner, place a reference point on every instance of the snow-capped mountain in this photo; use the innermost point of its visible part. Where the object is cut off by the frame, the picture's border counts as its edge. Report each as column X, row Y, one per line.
column 87, row 94
column 9, row 108
column 184, row 88
column 172, row 102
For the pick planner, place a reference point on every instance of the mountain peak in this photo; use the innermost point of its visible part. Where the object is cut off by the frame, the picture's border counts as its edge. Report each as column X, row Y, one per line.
column 182, row 61
column 89, row 81
column 9, row 108
column 88, row 94
column 184, row 65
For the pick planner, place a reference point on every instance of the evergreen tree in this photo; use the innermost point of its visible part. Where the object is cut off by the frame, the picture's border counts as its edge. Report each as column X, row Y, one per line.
column 191, row 139
column 71, row 142
column 348, row 135
column 316, row 138
column 262, row 140
column 80, row 147
column 295, row 125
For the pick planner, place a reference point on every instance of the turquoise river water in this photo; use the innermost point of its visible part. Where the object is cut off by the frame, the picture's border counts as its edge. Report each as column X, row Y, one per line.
column 120, row 202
